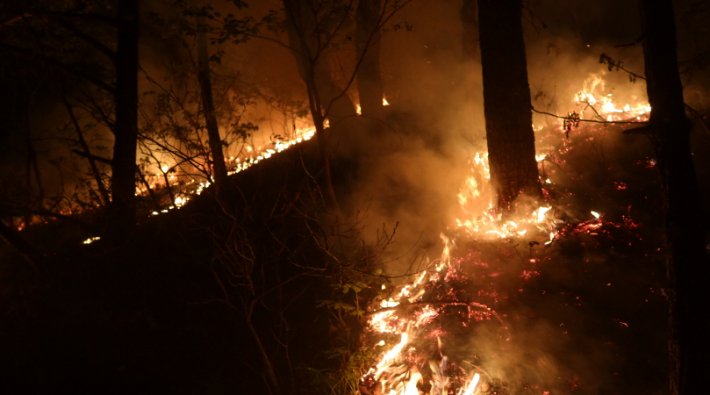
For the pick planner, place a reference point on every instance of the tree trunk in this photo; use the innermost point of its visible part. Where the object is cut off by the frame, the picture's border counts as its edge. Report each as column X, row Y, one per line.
column 337, row 105
column 688, row 266
column 215, row 141
column 319, row 122
column 367, row 42
column 325, row 99
column 123, row 179
column 506, row 102
column 307, row 47
column 469, row 21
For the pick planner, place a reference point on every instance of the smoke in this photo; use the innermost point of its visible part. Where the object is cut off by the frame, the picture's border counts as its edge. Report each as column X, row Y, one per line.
column 411, row 171
column 411, row 165
column 412, row 168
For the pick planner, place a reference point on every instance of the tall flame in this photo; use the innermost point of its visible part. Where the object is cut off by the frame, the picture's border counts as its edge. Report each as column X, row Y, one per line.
column 472, row 385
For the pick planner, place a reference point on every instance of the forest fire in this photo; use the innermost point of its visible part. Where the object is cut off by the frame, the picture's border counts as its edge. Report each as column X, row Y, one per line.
column 403, row 321
column 481, row 223
column 601, row 104
column 404, row 317
column 185, row 186
column 411, row 324
column 369, row 197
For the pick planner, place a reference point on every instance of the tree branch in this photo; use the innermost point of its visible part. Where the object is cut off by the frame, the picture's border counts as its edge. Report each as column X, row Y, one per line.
column 94, row 42
column 586, row 120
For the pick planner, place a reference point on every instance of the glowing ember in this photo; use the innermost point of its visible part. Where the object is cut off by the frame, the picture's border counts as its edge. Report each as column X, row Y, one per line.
column 552, row 238
column 180, row 201
column 405, row 314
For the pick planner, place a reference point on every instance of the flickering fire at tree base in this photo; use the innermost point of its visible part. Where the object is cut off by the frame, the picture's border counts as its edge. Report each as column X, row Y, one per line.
column 410, row 324
column 412, row 318
column 183, row 186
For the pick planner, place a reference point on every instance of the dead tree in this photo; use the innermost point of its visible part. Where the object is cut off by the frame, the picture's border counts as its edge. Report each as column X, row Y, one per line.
column 688, row 266
column 506, row 102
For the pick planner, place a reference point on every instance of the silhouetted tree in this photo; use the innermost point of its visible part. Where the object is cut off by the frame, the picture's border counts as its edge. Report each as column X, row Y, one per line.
column 310, row 35
column 314, row 28
column 79, row 49
column 688, row 266
column 123, row 180
column 74, row 50
column 506, row 101
column 215, row 141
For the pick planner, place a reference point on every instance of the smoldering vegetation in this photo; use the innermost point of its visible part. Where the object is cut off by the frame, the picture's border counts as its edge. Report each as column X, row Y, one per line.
column 586, row 314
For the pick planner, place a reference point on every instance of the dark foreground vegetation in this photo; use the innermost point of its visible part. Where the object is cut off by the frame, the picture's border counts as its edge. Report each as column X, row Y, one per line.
column 249, row 296
column 188, row 304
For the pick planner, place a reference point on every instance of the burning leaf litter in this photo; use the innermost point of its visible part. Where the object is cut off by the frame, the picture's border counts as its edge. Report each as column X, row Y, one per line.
column 194, row 187
column 400, row 319
column 402, row 368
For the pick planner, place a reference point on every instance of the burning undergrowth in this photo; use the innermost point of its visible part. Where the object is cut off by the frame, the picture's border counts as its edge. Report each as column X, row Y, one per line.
column 556, row 301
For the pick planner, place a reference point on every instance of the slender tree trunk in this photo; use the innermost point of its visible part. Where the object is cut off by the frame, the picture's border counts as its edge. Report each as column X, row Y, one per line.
column 319, row 122
column 339, row 106
column 307, row 48
column 123, row 179
column 688, row 266
column 323, row 93
column 215, row 141
column 506, row 102
column 367, row 42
